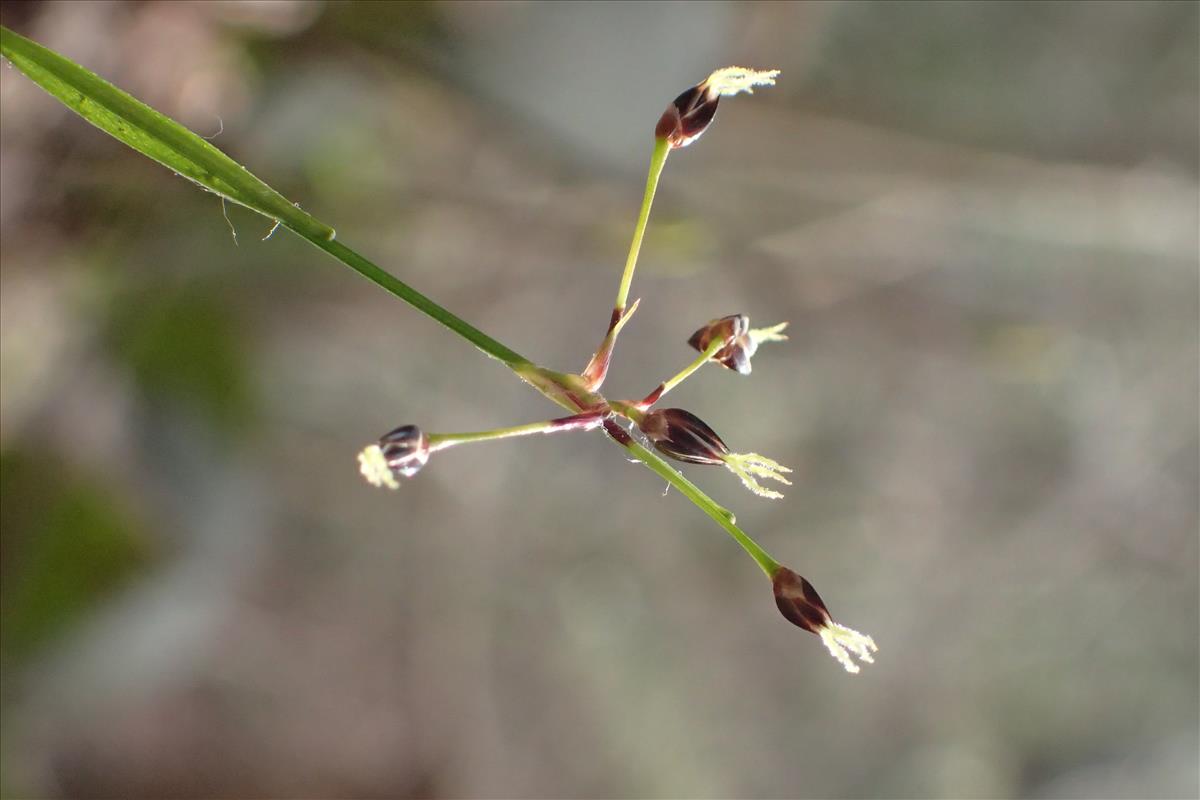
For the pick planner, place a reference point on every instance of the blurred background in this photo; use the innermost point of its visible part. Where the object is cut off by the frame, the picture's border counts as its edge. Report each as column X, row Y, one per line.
column 980, row 219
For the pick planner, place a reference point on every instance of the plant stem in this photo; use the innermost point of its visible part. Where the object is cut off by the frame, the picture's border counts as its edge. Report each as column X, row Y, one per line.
column 596, row 370
column 630, row 411
column 578, row 422
column 657, row 160
column 700, row 361
column 399, row 288
column 721, row 515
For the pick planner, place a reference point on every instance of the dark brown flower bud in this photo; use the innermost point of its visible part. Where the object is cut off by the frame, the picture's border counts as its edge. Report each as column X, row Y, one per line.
column 690, row 114
column 683, row 436
column 724, row 329
column 400, row 453
column 735, row 330
column 799, row 602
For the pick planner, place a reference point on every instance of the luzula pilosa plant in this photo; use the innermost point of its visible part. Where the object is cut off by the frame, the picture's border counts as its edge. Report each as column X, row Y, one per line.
column 402, row 453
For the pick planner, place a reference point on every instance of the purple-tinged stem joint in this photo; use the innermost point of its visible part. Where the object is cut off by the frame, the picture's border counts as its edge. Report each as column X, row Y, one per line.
column 597, row 369
column 799, row 602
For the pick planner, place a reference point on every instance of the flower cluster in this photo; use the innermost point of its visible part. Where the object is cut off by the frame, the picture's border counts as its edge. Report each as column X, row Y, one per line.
column 674, row 432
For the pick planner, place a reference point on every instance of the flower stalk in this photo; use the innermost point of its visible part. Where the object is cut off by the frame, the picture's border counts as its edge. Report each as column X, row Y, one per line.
column 577, row 422
column 680, row 376
column 719, row 514
column 597, row 369
column 658, row 159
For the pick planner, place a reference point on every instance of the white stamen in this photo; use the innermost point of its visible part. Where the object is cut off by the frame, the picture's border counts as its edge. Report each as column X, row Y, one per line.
column 771, row 334
column 374, row 468
column 747, row 465
column 729, row 81
column 841, row 641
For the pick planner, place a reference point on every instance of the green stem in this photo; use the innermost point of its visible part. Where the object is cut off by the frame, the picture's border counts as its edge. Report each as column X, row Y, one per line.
column 657, row 160
column 692, row 367
column 578, row 422
column 399, row 288
column 630, row 411
column 721, row 515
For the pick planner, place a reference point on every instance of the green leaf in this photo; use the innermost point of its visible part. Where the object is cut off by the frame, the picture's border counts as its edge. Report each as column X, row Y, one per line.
column 166, row 141
column 153, row 134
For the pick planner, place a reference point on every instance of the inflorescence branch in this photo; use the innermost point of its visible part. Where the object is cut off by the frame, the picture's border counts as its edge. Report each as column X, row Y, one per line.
column 676, row 433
